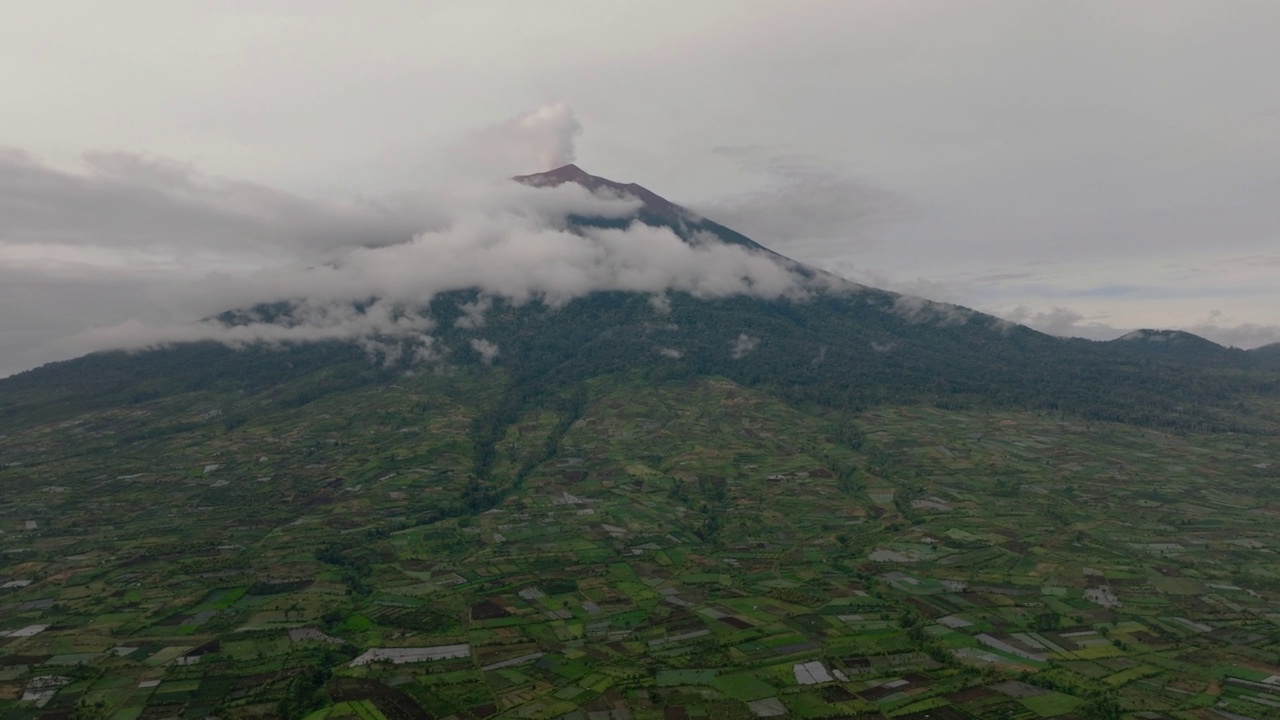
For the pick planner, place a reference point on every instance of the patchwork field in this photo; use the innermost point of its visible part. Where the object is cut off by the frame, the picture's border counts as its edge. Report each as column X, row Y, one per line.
column 687, row 550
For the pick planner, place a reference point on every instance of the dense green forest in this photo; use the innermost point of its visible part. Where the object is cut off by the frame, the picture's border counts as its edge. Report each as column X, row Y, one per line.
column 848, row 350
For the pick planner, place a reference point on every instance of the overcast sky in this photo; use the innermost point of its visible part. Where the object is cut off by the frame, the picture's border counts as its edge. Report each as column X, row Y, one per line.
column 1084, row 167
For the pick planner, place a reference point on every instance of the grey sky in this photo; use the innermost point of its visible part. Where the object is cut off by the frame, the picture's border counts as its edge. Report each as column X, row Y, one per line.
column 1084, row 167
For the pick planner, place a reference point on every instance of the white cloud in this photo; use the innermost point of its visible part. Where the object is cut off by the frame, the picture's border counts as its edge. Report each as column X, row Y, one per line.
column 1245, row 335
column 473, row 313
column 661, row 302
column 166, row 247
column 512, row 243
column 487, row 350
column 743, row 345
column 1063, row 322
column 919, row 310
column 1217, row 326
column 308, row 322
column 538, row 141
column 124, row 207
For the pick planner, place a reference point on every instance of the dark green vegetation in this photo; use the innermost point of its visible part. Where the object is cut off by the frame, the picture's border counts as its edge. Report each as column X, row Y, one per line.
column 848, row 505
column 672, row 547
column 849, row 350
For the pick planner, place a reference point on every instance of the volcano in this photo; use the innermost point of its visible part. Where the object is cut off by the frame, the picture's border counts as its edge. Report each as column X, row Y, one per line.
column 630, row 503
column 840, row 345
column 653, row 203
column 654, row 209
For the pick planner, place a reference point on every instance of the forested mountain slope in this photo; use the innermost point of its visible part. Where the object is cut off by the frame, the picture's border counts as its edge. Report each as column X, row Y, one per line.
column 838, row 345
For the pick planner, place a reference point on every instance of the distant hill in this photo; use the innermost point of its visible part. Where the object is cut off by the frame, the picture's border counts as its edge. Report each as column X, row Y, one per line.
column 1268, row 355
column 1175, row 344
column 1179, row 338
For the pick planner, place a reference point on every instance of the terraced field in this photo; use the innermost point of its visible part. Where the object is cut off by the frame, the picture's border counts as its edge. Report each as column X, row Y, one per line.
column 691, row 549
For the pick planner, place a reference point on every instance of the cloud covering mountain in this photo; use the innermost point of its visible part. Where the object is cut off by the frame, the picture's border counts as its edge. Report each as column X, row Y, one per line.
column 520, row 249
column 189, row 246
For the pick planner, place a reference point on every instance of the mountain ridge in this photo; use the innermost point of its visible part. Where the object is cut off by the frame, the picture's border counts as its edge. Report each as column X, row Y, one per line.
column 572, row 173
column 844, row 346
column 654, row 210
